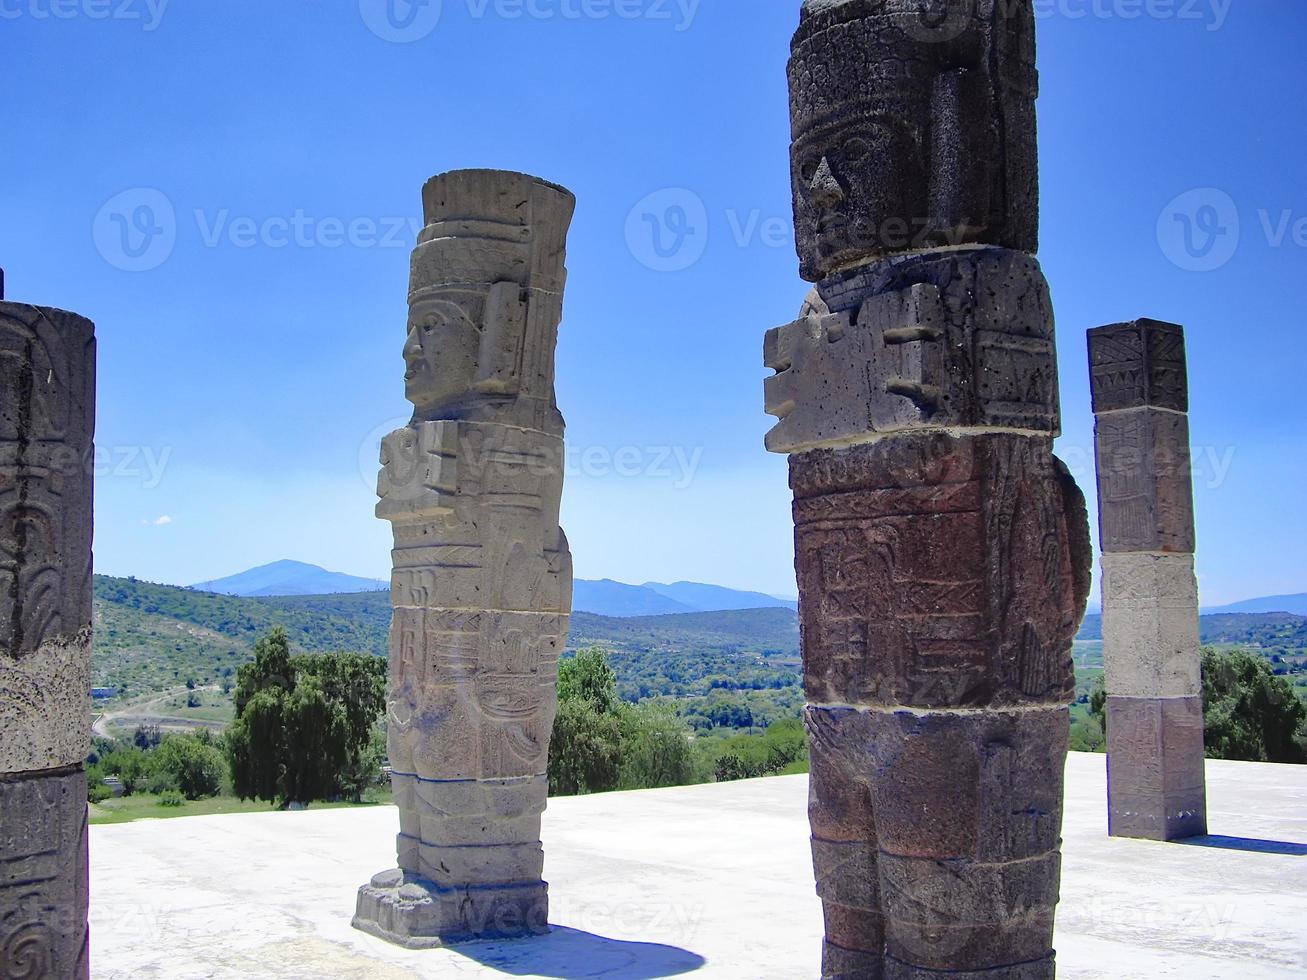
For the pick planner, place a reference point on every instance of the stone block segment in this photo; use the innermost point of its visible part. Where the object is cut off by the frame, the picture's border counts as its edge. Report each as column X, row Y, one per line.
column 956, row 339
column 1138, row 365
column 1156, row 777
column 47, row 424
column 482, row 578
column 1151, row 647
column 1145, row 483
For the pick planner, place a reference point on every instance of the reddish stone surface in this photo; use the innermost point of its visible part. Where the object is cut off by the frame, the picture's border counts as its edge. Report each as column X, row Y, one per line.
column 939, row 571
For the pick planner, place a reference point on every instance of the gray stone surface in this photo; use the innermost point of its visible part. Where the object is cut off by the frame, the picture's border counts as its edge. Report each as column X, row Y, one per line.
column 47, row 423
column 1151, row 647
column 1145, row 482
column 43, row 875
column 1156, row 773
column 482, row 580
column 944, row 340
column 1138, row 364
column 913, row 127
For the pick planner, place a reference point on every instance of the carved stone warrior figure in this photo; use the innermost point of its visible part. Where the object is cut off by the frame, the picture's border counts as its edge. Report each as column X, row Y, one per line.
column 942, row 551
column 47, row 423
column 482, row 583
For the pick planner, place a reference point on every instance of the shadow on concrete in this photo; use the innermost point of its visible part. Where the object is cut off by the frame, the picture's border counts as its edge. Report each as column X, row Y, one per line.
column 569, row 954
column 1247, row 844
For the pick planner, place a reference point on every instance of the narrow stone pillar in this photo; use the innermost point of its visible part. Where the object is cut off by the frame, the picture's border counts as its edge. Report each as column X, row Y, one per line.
column 1155, row 755
column 47, row 424
column 482, row 584
column 942, row 551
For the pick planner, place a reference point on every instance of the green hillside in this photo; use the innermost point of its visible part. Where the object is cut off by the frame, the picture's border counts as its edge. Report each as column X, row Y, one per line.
column 154, row 638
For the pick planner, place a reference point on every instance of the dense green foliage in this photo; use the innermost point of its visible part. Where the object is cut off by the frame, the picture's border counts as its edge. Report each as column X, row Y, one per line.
column 303, row 723
column 782, row 748
column 191, row 766
column 1250, row 713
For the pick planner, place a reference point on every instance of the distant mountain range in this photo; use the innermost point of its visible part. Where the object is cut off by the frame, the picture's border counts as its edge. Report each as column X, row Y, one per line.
column 283, row 578
column 617, row 599
column 1296, row 604
column 603, row 598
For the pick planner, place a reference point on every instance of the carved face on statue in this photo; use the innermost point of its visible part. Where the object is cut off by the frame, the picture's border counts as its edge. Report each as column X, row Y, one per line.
column 440, row 356
column 858, row 190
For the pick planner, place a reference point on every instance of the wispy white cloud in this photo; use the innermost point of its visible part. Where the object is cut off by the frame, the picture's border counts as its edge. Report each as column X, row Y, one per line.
column 160, row 521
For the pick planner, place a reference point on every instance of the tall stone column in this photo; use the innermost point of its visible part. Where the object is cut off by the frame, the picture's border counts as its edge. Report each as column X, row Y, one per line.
column 1155, row 754
column 47, row 424
column 482, row 583
column 942, row 551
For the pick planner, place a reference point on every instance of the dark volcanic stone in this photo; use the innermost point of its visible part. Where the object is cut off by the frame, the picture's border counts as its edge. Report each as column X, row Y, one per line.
column 913, row 127
column 939, row 571
column 1132, row 365
column 43, row 875
column 1145, row 482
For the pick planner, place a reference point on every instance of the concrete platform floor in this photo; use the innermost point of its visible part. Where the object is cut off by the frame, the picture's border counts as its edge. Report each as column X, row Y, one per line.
column 708, row 881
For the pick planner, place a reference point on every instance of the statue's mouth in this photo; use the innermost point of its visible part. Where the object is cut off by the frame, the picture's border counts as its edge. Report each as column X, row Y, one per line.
column 414, row 369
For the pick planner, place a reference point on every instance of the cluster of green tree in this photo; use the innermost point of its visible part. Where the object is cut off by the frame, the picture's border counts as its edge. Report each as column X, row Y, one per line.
column 780, row 750
column 602, row 743
column 306, row 726
column 1250, row 713
column 191, row 766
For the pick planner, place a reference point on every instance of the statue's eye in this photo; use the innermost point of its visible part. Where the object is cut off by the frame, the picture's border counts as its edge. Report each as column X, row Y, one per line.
column 809, row 170
column 856, row 150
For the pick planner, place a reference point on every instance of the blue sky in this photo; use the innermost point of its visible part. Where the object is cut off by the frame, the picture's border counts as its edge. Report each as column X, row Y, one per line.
column 250, row 344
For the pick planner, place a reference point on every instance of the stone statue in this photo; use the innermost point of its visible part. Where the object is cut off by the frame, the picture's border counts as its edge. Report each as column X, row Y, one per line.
column 482, row 583
column 1157, row 783
column 47, row 424
column 942, row 551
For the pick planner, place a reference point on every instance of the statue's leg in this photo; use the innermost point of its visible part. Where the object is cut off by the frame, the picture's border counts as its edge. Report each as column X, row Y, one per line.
column 968, row 807
column 844, row 845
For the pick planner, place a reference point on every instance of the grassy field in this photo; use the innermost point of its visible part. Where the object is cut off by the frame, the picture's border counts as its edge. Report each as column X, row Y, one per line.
column 146, row 807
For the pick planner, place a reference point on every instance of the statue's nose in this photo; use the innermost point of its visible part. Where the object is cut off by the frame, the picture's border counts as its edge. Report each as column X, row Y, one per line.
column 824, row 189
column 413, row 347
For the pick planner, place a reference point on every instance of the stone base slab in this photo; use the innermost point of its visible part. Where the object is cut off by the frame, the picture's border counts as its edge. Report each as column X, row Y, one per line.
column 1156, row 770
column 43, row 875
column 417, row 914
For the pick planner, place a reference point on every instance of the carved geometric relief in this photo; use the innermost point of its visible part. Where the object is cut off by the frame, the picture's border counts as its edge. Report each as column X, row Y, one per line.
column 1145, row 485
column 1138, row 364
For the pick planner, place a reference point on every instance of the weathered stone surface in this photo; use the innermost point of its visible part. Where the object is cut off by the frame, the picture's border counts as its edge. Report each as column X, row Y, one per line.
column 486, row 298
column 939, row 571
column 913, row 128
column 1044, row 968
column 1145, row 482
column 43, row 875
column 838, row 963
column 1133, row 365
column 1151, row 646
column 47, row 423
column 953, row 339
column 482, row 580
column 412, row 912
column 1157, row 786
column 939, row 831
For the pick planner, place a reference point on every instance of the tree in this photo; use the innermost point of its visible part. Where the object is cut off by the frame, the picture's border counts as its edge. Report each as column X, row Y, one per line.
column 655, row 748
column 193, row 764
column 302, row 723
column 1251, row 715
column 585, row 749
